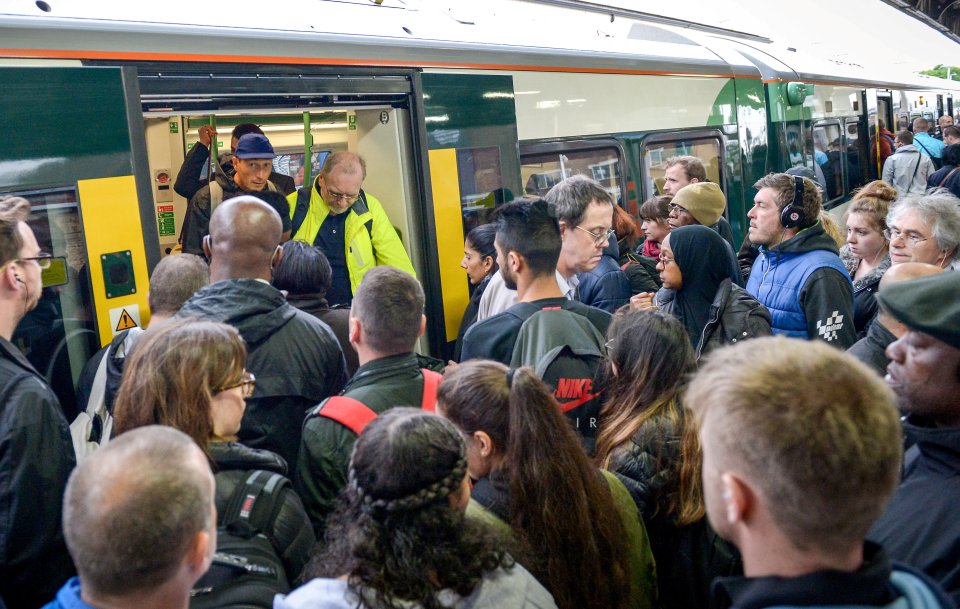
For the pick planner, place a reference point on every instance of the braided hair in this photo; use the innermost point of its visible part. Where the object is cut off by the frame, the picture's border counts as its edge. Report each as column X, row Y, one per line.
column 394, row 531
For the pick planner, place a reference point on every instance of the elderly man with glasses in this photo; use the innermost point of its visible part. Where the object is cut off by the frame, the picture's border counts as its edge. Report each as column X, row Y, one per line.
column 349, row 225
column 926, row 229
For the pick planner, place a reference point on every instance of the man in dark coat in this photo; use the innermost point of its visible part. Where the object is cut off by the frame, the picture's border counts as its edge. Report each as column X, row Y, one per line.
column 920, row 526
column 36, row 453
column 295, row 357
column 386, row 320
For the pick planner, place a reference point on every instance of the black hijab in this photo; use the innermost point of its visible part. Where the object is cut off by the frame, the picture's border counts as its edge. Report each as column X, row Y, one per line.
column 705, row 260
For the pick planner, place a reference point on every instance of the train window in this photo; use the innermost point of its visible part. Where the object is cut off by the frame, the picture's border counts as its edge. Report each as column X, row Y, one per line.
column 481, row 184
column 540, row 171
column 657, row 153
column 58, row 336
column 828, row 154
column 903, row 122
column 856, row 151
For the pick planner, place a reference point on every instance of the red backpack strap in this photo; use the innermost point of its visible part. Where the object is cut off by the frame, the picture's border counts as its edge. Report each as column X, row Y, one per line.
column 431, row 381
column 351, row 413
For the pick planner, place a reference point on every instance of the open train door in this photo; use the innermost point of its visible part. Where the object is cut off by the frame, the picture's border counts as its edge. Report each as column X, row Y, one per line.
column 74, row 144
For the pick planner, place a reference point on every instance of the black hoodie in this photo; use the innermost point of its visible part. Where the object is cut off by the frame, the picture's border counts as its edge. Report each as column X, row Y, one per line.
column 295, row 357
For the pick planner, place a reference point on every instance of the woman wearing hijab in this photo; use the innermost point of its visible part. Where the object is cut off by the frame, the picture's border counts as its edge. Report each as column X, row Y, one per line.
column 699, row 267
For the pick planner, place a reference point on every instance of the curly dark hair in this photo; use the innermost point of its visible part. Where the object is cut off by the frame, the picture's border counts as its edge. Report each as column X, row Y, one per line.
column 393, row 531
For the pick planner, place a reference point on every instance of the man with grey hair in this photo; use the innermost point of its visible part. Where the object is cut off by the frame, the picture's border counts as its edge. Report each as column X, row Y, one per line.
column 794, row 475
column 140, row 521
column 295, row 356
column 585, row 212
column 36, row 455
column 925, row 228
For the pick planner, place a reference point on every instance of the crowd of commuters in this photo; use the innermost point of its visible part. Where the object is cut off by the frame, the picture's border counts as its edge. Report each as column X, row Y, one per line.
column 617, row 428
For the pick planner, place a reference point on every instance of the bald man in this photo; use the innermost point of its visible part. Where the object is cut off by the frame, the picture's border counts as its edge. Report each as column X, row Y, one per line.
column 294, row 356
column 348, row 224
column 871, row 349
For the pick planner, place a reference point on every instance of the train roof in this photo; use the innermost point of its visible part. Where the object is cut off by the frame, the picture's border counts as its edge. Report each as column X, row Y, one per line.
column 496, row 35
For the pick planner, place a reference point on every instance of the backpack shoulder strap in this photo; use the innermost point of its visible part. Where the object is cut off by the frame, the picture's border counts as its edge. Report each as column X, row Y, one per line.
column 300, row 211
column 918, row 142
column 948, row 176
column 352, row 414
column 431, row 382
column 255, row 501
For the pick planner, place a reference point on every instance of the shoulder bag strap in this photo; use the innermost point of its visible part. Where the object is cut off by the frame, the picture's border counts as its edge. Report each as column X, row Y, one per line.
column 431, row 382
column 947, row 177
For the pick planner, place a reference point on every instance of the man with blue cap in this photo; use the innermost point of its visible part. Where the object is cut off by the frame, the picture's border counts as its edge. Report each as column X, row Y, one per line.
column 920, row 526
column 252, row 163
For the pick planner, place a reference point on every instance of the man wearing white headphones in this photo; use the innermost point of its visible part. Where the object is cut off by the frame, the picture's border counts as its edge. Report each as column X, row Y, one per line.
column 798, row 275
column 36, row 454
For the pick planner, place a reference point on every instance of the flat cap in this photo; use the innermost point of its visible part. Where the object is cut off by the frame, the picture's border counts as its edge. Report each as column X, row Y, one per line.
column 704, row 201
column 928, row 304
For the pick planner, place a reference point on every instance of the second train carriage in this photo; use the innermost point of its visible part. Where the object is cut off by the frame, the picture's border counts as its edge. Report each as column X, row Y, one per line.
column 455, row 113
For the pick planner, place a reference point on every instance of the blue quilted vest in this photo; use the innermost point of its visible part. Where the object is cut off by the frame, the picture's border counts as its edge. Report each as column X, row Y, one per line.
column 776, row 280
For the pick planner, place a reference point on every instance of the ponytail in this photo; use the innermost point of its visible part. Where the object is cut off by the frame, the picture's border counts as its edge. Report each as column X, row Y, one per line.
column 560, row 505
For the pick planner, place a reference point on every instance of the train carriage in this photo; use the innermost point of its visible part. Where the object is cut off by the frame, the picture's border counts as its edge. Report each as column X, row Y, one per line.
column 456, row 111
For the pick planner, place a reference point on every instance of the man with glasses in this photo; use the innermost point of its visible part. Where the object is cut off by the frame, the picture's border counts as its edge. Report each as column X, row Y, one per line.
column 925, row 229
column 349, row 225
column 36, row 453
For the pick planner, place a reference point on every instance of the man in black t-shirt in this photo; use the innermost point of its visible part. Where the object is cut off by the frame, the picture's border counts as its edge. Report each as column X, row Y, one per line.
column 528, row 247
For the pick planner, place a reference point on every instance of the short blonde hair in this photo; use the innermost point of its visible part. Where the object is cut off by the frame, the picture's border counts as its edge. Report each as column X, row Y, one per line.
column 13, row 211
column 814, row 429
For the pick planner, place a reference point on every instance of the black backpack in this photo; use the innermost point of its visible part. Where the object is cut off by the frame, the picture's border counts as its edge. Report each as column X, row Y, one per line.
column 247, row 570
column 566, row 351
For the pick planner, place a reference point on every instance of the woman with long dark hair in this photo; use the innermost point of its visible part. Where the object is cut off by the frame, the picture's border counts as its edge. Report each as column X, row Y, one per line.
column 649, row 441
column 583, row 532
column 480, row 263
column 399, row 538
column 189, row 374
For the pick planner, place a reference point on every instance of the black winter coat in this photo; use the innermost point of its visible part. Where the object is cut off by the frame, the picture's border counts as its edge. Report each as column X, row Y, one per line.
column 295, row 357
column 290, row 531
column 688, row 558
column 735, row 316
column 920, row 527
column 36, row 458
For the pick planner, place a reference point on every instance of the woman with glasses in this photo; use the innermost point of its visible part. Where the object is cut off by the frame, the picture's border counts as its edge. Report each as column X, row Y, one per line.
column 926, row 229
column 698, row 268
column 189, row 374
column 649, row 442
column 866, row 253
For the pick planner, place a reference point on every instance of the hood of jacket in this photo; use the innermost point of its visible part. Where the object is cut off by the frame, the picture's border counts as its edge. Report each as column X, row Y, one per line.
column 807, row 240
column 235, row 456
column 907, row 149
column 255, row 308
column 940, row 446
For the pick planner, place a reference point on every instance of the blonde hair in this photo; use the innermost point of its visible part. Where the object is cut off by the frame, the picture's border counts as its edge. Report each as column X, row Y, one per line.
column 813, row 428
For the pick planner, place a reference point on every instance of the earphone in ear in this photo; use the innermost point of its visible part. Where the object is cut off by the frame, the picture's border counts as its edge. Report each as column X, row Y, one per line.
column 18, row 279
column 793, row 215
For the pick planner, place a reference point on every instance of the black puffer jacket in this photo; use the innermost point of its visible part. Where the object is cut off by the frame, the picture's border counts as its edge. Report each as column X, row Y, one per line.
column 290, row 531
column 865, row 305
column 688, row 558
column 295, row 357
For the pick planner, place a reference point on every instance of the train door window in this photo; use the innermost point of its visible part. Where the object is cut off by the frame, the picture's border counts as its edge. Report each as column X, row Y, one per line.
column 828, row 154
column 59, row 335
column 856, row 149
column 903, row 122
column 481, row 184
column 657, row 151
column 544, row 165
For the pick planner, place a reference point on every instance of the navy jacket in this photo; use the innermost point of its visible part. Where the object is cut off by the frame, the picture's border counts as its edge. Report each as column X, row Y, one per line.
column 606, row 286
